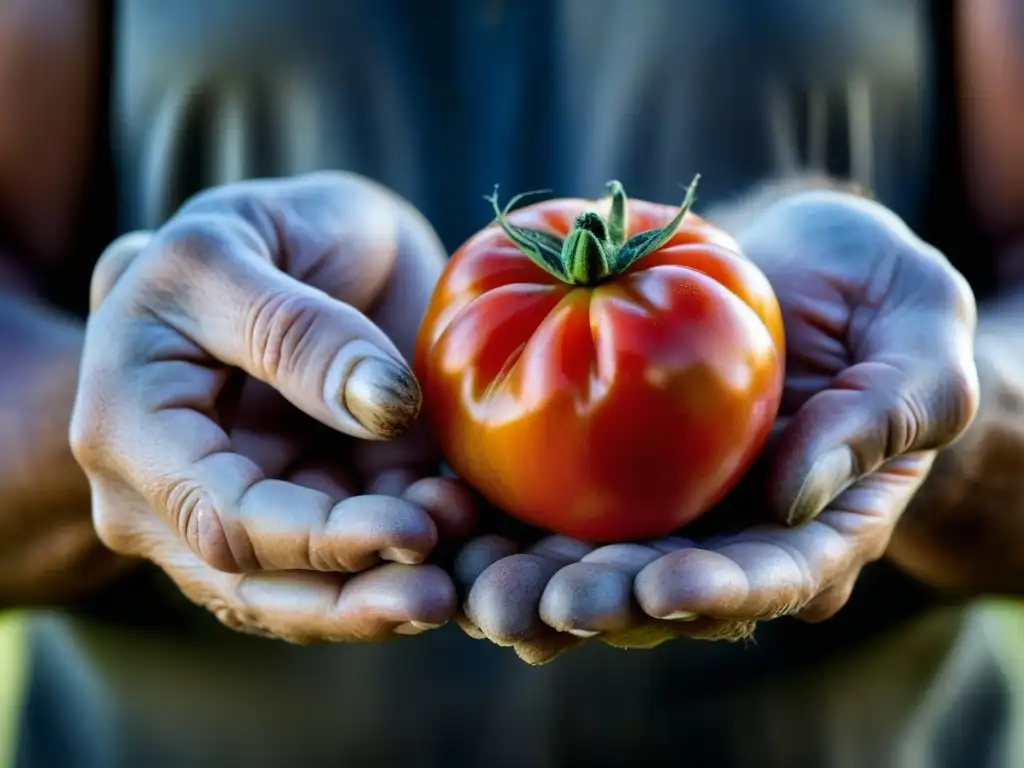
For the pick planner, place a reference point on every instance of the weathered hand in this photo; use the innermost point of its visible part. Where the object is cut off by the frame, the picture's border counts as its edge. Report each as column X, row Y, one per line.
column 880, row 374
column 546, row 597
column 247, row 428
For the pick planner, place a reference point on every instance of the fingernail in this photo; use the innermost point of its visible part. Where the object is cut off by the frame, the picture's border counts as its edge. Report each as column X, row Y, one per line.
column 828, row 477
column 415, row 628
column 682, row 616
column 382, row 395
column 403, row 556
column 584, row 633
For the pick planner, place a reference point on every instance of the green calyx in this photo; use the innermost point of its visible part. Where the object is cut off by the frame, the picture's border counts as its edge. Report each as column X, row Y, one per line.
column 596, row 249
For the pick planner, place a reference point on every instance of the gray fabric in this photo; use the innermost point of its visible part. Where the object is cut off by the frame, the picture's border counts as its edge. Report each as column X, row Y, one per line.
column 439, row 101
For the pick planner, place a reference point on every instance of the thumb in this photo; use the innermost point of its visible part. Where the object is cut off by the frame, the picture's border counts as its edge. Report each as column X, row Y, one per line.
column 911, row 386
column 209, row 277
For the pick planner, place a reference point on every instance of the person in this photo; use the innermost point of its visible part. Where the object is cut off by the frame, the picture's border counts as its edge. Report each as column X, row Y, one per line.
column 278, row 184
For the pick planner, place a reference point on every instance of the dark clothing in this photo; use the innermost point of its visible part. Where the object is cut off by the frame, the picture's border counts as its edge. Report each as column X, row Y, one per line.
column 440, row 100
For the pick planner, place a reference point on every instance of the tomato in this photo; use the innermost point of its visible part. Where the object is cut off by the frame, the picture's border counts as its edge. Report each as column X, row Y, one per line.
column 606, row 370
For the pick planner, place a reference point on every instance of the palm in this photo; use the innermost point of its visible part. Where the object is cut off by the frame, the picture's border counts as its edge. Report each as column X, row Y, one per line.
column 288, row 445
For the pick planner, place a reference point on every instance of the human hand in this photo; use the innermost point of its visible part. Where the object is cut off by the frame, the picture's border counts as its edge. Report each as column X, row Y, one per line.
column 248, row 429
column 880, row 374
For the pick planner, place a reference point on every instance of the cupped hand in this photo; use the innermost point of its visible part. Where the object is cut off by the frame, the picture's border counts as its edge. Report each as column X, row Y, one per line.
column 247, row 418
column 879, row 375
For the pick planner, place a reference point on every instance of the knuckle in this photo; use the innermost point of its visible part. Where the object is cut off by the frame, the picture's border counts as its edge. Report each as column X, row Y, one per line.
column 200, row 524
column 346, row 189
column 281, row 329
column 250, row 202
column 216, row 199
column 955, row 386
column 192, row 245
column 930, row 414
column 112, row 264
column 928, row 409
column 912, row 406
column 906, row 416
column 184, row 259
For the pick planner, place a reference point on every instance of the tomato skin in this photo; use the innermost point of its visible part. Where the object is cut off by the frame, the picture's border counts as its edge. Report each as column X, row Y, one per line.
column 615, row 412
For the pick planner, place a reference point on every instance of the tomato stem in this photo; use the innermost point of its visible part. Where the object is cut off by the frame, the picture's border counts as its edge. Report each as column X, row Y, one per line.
column 617, row 214
column 595, row 249
column 587, row 252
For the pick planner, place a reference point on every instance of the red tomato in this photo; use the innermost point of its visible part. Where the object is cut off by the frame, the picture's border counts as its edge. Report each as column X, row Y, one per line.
column 604, row 370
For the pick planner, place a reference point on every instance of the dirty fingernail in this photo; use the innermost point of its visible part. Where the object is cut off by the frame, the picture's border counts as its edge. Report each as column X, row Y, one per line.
column 828, row 477
column 415, row 628
column 382, row 395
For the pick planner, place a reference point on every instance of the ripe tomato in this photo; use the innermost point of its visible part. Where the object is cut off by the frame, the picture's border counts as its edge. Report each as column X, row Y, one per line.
column 604, row 370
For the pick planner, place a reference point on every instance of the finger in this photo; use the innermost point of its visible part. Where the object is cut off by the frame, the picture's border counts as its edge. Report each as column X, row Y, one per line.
column 913, row 386
column 449, row 503
column 339, row 238
column 274, row 454
column 300, row 607
column 393, row 481
column 771, row 570
column 151, row 426
column 327, row 477
column 263, row 531
column 503, row 598
column 387, row 600
column 561, row 549
column 693, row 582
column 670, row 544
column 235, row 519
column 211, row 280
column 479, row 554
column 503, row 601
column 595, row 595
column 391, row 466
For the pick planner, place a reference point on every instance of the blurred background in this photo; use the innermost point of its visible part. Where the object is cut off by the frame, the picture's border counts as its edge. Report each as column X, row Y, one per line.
column 1003, row 621
column 11, row 654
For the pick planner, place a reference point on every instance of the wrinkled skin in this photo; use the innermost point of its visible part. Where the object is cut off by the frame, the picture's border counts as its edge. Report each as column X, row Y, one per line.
column 614, row 412
column 216, row 416
column 879, row 375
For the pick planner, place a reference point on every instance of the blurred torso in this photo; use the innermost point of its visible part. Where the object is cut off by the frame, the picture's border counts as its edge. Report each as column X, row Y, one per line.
column 440, row 101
